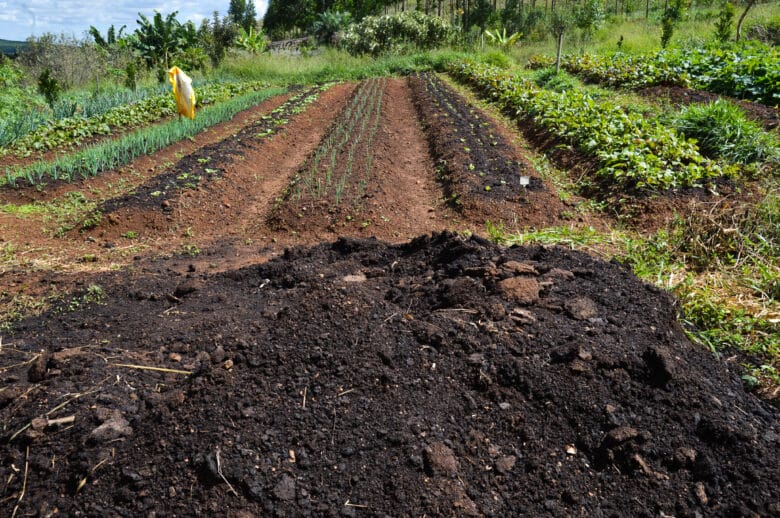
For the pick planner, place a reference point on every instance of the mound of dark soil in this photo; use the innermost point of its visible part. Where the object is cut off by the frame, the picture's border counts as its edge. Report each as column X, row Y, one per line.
column 443, row 377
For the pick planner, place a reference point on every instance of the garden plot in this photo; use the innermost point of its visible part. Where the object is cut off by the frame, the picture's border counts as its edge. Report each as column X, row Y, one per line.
column 336, row 179
column 207, row 163
column 187, row 359
column 480, row 172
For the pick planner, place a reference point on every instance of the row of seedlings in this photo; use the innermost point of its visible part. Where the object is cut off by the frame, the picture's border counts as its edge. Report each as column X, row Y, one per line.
column 334, row 180
column 475, row 165
column 202, row 166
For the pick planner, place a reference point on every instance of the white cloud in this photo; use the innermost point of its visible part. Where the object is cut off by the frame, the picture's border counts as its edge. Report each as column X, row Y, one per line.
column 22, row 18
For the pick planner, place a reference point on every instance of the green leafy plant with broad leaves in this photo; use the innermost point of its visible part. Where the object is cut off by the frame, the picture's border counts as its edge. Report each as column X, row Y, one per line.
column 161, row 40
column 253, row 41
column 634, row 152
column 749, row 70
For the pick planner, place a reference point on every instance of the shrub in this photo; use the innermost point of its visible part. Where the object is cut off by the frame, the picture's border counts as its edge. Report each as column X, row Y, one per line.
column 558, row 82
column 724, row 22
column 48, row 87
column 496, row 58
column 380, row 34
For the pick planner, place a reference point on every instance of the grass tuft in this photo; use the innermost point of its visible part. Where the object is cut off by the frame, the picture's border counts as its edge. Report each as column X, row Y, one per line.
column 723, row 131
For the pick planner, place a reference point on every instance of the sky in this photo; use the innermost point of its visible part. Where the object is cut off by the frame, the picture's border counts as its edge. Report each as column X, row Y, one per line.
column 20, row 19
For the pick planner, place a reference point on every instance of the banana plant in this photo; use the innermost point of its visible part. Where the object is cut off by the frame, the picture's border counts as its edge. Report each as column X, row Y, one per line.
column 251, row 41
column 501, row 39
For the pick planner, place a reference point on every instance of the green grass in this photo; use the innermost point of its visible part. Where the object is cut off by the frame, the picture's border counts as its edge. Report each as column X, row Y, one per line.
column 333, row 65
column 723, row 131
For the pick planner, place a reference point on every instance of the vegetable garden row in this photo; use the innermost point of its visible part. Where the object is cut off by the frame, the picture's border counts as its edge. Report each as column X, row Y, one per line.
column 333, row 182
column 744, row 72
column 207, row 164
column 474, row 161
column 634, row 152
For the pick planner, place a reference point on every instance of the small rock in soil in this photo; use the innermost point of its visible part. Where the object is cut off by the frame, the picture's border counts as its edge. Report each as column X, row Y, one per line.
column 701, row 494
column 187, row 287
column 505, row 464
column 285, row 488
column 661, row 367
column 440, row 460
column 620, row 435
column 524, row 290
column 37, row 371
column 114, row 428
column 517, row 267
column 581, row 308
column 8, row 395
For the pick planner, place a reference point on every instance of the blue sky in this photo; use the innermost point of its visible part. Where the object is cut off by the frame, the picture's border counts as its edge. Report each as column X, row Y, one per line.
column 22, row 18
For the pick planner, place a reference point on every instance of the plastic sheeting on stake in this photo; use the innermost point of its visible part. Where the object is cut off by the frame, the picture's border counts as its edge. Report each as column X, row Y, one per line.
column 182, row 92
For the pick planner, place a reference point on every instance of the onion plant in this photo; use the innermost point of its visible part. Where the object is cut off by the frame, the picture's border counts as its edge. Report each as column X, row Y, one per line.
column 112, row 154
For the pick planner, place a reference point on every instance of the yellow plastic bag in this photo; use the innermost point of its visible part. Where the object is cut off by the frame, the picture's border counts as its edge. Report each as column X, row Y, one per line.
column 182, row 92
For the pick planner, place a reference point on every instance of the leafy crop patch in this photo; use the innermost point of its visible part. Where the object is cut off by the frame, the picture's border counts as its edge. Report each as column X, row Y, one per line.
column 747, row 71
column 634, row 153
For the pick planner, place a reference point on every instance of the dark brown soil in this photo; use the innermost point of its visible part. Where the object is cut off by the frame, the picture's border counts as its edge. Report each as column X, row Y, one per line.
column 443, row 377
column 479, row 170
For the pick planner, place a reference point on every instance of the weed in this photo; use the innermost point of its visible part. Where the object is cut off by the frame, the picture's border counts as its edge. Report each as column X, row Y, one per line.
column 723, row 131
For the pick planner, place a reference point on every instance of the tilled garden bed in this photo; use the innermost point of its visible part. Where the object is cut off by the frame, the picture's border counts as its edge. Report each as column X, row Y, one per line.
column 480, row 171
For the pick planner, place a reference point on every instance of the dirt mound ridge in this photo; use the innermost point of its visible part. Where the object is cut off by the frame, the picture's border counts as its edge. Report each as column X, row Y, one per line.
column 446, row 376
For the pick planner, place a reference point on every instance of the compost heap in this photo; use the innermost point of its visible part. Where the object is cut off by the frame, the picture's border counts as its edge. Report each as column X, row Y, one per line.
column 442, row 377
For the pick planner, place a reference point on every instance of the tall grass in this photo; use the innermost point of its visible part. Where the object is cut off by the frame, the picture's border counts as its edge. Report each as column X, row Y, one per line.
column 333, row 65
column 723, row 131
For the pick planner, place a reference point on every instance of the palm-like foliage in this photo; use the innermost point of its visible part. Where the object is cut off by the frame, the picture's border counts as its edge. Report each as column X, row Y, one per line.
column 160, row 40
column 252, row 41
column 501, row 39
column 328, row 24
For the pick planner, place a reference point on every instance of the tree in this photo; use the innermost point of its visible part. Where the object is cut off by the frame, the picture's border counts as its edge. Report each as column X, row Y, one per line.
column 561, row 20
column 111, row 39
column 328, row 24
column 217, row 36
column 160, row 40
column 243, row 13
column 673, row 13
column 48, row 87
column 284, row 16
column 588, row 17
column 750, row 4
column 724, row 21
